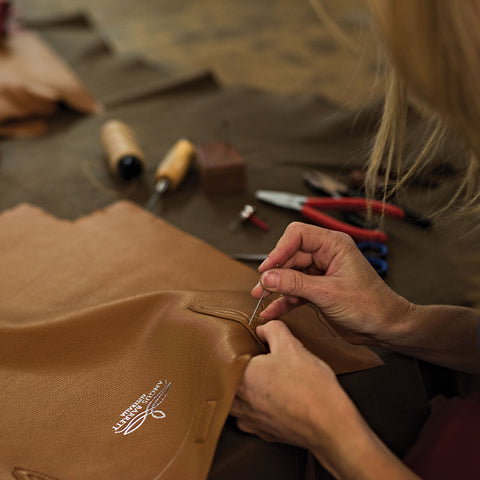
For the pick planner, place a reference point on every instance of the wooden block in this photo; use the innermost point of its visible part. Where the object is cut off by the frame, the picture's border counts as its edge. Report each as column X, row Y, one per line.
column 222, row 168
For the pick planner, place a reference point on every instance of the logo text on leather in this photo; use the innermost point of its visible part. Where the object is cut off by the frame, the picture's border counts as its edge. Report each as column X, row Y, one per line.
column 145, row 406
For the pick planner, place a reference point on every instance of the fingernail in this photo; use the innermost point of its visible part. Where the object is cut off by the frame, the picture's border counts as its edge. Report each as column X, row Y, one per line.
column 270, row 279
column 256, row 286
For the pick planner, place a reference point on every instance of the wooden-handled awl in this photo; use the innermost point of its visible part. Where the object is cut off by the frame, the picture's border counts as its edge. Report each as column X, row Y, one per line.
column 172, row 169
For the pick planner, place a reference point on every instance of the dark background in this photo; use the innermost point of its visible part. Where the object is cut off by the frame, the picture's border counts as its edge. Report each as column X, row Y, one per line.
column 275, row 45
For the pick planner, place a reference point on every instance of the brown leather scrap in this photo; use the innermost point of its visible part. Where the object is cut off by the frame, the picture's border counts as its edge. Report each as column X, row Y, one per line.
column 33, row 80
column 122, row 341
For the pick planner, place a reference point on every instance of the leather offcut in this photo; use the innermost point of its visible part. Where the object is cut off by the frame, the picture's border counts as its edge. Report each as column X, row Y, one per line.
column 34, row 81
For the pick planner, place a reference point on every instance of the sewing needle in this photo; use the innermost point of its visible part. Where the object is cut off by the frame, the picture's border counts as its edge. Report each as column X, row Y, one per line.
column 256, row 308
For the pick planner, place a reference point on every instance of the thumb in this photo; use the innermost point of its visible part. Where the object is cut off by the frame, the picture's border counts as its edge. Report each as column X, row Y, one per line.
column 277, row 335
column 290, row 282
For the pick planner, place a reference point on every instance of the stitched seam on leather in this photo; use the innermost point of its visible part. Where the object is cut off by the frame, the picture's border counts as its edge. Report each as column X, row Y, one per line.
column 219, row 311
column 229, row 314
column 27, row 474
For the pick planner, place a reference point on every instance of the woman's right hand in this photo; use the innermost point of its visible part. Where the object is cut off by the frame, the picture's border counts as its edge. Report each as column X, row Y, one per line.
column 326, row 268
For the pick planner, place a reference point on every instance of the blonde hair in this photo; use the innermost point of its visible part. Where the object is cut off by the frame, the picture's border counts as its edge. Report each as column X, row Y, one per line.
column 433, row 48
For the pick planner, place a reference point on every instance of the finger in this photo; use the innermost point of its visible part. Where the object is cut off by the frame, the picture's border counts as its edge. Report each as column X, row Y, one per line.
column 245, row 426
column 277, row 335
column 299, row 261
column 292, row 299
column 257, row 291
column 237, row 407
column 304, row 246
column 270, row 438
column 279, row 307
column 288, row 244
column 293, row 284
column 298, row 237
column 253, row 428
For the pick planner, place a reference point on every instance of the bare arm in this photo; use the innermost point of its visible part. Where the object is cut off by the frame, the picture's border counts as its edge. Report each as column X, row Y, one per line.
column 441, row 334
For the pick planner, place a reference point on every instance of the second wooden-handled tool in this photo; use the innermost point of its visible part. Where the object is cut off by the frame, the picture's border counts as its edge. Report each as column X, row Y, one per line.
column 172, row 169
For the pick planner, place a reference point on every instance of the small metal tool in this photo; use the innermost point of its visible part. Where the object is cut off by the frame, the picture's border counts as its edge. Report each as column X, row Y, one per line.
column 256, row 308
column 250, row 257
column 247, row 214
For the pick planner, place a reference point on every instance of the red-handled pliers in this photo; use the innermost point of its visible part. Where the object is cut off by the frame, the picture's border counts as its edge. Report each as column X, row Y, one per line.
column 309, row 208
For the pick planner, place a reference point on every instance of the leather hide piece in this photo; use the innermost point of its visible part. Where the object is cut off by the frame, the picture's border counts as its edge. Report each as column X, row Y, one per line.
column 33, row 81
column 122, row 341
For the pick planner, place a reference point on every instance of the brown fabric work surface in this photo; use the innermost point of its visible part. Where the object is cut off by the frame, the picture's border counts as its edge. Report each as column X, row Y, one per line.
column 278, row 136
column 99, row 316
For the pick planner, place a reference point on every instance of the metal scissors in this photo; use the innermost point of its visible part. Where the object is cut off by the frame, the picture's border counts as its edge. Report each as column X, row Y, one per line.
column 375, row 253
column 309, row 207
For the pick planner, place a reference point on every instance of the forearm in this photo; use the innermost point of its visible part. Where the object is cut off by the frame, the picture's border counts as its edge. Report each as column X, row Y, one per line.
column 355, row 452
column 441, row 334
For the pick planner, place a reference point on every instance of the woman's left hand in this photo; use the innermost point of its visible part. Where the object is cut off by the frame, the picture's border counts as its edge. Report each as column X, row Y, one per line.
column 289, row 395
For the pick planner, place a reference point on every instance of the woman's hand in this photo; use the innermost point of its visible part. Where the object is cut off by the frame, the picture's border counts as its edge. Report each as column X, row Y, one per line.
column 289, row 395
column 326, row 268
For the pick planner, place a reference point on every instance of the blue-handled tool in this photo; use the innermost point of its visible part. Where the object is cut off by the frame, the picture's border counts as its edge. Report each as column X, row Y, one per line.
column 375, row 253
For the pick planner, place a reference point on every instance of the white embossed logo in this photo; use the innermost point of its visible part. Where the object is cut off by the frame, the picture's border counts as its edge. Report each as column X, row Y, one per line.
column 145, row 406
